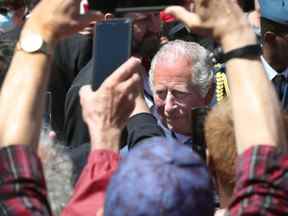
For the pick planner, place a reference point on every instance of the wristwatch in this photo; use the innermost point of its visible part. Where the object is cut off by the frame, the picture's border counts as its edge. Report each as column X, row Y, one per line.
column 32, row 42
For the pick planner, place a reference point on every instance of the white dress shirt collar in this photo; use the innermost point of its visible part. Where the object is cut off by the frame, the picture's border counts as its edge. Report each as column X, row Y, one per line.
column 271, row 73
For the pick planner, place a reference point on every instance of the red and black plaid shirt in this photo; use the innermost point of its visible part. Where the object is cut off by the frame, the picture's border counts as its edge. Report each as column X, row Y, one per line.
column 262, row 183
column 262, row 186
column 22, row 184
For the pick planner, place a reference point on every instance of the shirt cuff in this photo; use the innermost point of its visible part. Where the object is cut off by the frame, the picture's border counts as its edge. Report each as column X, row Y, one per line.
column 142, row 126
column 263, row 163
column 253, row 156
column 101, row 161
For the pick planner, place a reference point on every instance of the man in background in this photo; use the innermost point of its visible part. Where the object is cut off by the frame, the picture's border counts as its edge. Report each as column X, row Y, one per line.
column 181, row 80
column 274, row 31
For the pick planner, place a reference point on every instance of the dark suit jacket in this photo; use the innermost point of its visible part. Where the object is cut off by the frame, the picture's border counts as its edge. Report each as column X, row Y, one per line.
column 70, row 56
column 76, row 131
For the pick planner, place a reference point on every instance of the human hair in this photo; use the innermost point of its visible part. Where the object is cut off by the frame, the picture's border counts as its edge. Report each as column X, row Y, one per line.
column 221, row 143
column 198, row 55
column 57, row 167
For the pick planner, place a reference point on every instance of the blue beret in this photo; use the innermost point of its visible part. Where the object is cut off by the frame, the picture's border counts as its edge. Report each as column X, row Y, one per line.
column 275, row 10
column 160, row 177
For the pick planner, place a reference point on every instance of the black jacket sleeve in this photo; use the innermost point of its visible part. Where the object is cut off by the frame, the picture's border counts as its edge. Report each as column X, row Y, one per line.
column 142, row 126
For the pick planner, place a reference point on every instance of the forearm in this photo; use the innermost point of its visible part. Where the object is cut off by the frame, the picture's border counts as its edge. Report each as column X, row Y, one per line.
column 142, row 126
column 21, row 102
column 256, row 112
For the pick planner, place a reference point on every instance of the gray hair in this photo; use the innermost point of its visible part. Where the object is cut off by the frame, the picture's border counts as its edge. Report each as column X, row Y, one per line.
column 58, row 169
column 201, row 73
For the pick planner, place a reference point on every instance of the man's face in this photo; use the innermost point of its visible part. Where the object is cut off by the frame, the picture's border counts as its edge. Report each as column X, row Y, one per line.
column 275, row 46
column 146, row 33
column 174, row 94
column 281, row 47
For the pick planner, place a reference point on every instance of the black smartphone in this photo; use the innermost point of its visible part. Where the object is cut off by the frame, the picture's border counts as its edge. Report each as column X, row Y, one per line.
column 111, row 48
column 124, row 6
column 198, row 115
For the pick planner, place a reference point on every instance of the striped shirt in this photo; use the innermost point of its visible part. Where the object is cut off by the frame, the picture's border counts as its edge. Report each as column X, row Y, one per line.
column 262, row 183
column 22, row 184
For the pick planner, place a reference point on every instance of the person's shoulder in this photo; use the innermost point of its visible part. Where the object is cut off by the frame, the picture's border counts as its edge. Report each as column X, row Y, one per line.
column 83, row 78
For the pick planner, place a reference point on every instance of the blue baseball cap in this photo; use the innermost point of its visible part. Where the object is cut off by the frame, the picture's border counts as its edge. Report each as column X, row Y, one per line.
column 275, row 10
column 160, row 177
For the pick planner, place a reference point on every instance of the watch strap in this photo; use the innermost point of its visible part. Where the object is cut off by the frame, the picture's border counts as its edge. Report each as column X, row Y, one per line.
column 243, row 52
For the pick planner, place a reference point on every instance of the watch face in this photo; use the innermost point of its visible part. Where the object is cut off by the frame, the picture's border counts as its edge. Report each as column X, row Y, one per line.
column 31, row 42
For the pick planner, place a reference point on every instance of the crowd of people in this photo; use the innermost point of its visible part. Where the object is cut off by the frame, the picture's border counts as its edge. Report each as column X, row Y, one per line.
column 193, row 123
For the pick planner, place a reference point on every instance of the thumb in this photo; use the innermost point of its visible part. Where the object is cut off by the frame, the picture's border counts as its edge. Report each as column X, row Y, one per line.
column 91, row 16
column 190, row 19
column 84, row 93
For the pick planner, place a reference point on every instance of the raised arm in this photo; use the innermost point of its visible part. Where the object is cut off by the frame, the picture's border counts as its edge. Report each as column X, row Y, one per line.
column 23, row 89
column 22, row 185
column 261, row 170
column 106, row 112
column 256, row 111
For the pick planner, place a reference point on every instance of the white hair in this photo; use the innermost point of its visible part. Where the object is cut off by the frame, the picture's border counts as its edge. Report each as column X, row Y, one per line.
column 198, row 55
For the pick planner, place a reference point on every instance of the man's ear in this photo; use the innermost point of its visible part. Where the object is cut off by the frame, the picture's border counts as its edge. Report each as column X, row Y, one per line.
column 269, row 37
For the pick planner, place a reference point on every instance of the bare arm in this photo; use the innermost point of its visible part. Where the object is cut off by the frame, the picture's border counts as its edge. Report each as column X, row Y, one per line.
column 23, row 89
column 256, row 110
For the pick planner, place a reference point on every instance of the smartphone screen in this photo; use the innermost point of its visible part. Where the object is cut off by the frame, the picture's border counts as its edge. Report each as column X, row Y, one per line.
column 122, row 6
column 112, row 47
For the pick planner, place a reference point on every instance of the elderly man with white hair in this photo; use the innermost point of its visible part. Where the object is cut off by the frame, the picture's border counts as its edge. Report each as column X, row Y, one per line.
column 180, row 79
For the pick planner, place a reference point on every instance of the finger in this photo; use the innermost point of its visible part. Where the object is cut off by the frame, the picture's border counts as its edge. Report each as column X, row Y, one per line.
column 127, row 108
column 52, row 135
column 84, row 92
column 125, row 71
column 132, row 82
column 86, row 19
column 108, row 16
column 188, row 18
column 131, row 86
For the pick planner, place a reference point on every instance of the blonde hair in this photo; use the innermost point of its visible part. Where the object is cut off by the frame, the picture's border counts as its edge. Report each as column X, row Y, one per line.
column 220, row 139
